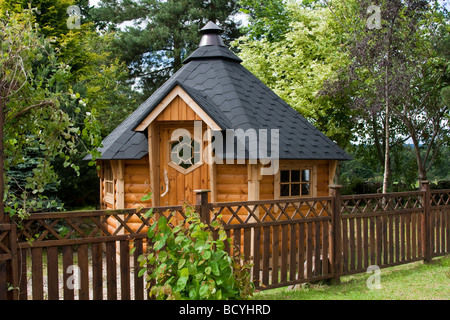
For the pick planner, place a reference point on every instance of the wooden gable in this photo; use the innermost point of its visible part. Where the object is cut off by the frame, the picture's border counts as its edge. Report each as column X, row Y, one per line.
column 177, row 106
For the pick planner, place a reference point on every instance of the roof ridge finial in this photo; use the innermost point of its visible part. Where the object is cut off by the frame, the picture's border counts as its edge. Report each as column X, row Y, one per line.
column 211, row 35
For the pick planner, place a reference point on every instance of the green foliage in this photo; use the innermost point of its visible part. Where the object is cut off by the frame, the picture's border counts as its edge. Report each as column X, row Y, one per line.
column 51, row 15
column 296, row 66
column 186, row 262
column 98, row 78
column 396, row 79
column 323, row 59
column 443, row 50
column 88, row 86
column 364, row 173
column 76, row 191
column 441, row 169
column 268, row 19
column 41, row 110
column 20, row 176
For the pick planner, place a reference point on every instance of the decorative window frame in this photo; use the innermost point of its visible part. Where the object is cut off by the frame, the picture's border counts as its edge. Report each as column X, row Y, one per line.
column 312, row 182
column 176, row 166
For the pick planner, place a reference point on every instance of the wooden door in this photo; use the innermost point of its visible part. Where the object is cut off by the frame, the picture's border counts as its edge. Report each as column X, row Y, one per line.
column 181, row 172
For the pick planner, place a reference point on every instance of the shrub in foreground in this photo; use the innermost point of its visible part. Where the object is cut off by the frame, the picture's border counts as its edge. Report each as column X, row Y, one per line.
column 187, row 262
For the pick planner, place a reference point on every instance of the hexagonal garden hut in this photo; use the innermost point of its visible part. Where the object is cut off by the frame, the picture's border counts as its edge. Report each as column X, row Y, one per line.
column 160, row 147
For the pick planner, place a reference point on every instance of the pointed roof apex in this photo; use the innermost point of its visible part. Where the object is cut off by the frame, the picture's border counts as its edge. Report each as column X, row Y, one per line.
column 211, row 35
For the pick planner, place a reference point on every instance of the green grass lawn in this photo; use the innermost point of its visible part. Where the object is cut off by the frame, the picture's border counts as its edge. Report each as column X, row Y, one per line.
column 414, row 281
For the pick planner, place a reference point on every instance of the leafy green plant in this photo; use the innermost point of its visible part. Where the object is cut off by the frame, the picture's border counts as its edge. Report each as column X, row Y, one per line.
column 186, row 261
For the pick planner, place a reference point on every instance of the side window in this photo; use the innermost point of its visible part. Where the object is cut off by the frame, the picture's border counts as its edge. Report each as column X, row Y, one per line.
column 109, row 180
column 109, row 183
column 295, row 182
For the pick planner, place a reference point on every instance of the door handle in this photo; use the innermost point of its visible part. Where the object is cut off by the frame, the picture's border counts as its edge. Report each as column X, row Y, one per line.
column 166, row 182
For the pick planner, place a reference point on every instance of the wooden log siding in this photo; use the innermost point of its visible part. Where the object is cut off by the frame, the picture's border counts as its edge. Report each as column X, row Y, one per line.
column 137, row 182
column 232, row 182
column 133, row 183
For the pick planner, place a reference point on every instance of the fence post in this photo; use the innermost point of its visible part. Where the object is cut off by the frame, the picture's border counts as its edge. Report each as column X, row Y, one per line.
column 202, row 205
column 336, row 237
column 426, row 222
column 9, row 271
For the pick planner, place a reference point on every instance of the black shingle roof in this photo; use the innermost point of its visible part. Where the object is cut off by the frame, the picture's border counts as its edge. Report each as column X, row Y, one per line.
column 235, row 99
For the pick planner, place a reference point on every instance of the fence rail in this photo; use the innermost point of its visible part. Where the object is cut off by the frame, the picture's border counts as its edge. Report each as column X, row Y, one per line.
column 77, row 255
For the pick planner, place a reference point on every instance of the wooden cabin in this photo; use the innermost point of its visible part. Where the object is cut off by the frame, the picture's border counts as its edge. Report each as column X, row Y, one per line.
column 160, row 147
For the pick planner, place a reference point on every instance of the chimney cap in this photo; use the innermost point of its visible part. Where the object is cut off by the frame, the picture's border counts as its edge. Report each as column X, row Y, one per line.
column 211, row 35
column 210, row 27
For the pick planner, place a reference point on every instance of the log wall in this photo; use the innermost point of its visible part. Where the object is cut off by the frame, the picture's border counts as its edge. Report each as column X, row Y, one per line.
column 137, row 182
column 231, row 182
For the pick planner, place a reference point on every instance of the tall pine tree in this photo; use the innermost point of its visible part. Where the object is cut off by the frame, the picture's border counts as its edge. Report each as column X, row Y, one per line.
column 158, row 34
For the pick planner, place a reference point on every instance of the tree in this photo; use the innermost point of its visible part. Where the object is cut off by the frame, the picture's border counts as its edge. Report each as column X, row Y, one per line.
column 268, row 19
column 297, row 64
column 51, row 15
column 32, row 90
column 95, row 74
column 424, row 110
column 383, row 73
column 162, row 33
column 98, row 80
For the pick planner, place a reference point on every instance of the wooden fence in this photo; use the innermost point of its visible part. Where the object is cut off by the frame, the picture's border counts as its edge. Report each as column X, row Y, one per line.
column 288, row 240
column 74, row 255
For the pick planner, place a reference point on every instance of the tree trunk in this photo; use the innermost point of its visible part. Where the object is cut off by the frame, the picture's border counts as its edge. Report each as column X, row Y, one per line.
column 387, row 158
column 376, row 136
column 420, row 165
